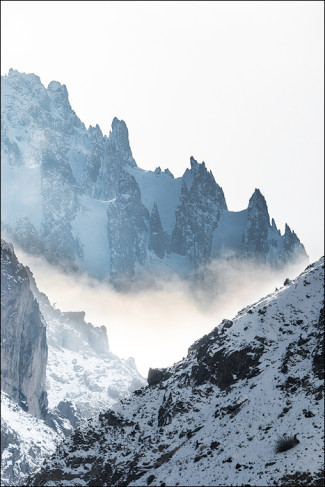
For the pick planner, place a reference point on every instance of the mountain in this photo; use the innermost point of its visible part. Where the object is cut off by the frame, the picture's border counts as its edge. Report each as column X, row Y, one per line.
column 78, row 198
column 56, row 371
column 245, row 407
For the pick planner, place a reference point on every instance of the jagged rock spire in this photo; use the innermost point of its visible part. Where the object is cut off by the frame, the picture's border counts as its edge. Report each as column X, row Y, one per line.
column 119, row 145
column 59, row 94
column 157, row 238
column 255, row 237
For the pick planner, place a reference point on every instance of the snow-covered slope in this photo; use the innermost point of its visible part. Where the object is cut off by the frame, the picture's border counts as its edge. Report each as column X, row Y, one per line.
column 77, row 197
column 245, row 407
column 25, row 442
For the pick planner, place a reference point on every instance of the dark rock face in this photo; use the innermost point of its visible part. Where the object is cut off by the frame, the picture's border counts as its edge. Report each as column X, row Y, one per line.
column 155, row 376
column 255, row 239
column 202, row 201
column 224, row 370
column 119, row 146
column 157, row 236
column 263, row 242
column 169, row 409
column 224, row 367
column 127, row 228
column 292, row 246
column 23, row 337
column 319, row 355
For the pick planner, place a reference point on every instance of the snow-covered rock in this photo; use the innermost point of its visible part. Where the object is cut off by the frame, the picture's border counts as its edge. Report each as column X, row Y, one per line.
column 25, row 442
column 245, row 407
column 71, row 193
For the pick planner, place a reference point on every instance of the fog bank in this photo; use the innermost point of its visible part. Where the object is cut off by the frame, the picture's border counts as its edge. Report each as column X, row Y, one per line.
column 157, row 324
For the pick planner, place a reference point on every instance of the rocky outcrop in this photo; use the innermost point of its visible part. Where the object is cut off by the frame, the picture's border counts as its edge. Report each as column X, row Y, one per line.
column 156, row 376
column 255, row 239
column 197, row 216
column 23, row 337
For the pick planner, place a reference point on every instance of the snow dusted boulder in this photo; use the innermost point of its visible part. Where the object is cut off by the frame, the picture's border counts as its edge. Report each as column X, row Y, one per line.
column 218, row 416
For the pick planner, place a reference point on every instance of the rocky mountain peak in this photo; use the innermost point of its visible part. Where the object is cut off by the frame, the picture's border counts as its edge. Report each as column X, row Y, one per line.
column 287, row 230
column 273, row 224
column 83, row 179
column 257, row 208
column 59, row 94
column 119, row 142
column 257, row 200
column 95, row 130
column 167, row 171
column 193, row 162
column 14, row 74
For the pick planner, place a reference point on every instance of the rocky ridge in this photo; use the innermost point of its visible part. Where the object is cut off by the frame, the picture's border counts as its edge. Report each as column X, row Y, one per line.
column 72, row 193
column 245, row 407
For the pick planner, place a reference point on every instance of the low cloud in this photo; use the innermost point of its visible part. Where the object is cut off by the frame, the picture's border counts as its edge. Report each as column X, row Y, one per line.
column 156, row 322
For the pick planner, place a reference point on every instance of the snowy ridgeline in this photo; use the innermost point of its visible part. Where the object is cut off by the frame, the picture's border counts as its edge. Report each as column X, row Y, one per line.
column 245, row 407
column 77, row 197
column 56, row 372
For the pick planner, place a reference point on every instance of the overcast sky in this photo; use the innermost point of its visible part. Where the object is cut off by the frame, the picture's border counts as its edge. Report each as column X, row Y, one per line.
column 236, row 84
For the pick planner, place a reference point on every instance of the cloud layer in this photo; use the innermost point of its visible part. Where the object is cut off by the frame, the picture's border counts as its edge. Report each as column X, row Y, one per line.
column 157, row 321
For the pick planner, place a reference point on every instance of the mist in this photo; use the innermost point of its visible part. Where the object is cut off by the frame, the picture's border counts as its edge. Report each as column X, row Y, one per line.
column 156, row 322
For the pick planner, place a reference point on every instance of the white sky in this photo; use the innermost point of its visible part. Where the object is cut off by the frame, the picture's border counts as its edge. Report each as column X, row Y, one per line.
column 236, row 84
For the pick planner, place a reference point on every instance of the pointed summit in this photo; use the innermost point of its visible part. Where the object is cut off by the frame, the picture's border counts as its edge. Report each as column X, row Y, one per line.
column 255, row 238
column 257, row 198
column 58, row 93
column 257, row 207
column 119, row 144
column 287, row 230
column 193, row 162
column 292, row 245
